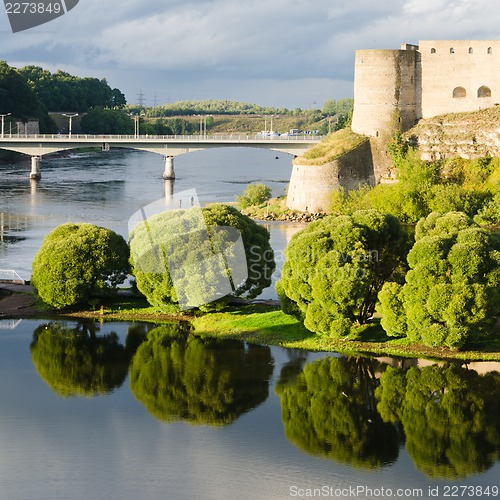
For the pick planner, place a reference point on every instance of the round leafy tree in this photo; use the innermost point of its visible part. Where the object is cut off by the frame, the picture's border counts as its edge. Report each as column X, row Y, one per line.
column 254, row 194
column 336, row 266
column 78, row 264
column 200, row 257
column 178, row 376
column 329, row 409
column 451, row 294
column 77, row 362
column 449, row 415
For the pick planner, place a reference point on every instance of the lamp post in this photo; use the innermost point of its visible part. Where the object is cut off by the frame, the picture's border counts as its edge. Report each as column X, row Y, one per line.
column 136, row 118
column 70, row 121
column 3, row 122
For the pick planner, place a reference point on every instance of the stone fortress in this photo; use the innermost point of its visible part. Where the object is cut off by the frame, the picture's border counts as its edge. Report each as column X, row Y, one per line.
column 393, row 91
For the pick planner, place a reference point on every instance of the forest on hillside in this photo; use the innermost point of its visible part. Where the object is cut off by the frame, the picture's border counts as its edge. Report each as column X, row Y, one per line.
column 30, row 93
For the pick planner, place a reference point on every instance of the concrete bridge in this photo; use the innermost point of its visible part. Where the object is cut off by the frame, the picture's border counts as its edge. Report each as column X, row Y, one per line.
column 169, row 146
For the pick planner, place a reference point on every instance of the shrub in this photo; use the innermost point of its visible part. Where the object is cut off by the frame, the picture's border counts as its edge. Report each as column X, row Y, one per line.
column 451, row 294
column 78, row 264
column 336, row 266
column 254, row 194
column 184, row 258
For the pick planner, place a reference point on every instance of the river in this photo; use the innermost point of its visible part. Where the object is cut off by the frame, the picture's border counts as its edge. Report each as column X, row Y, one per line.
column 129, row 411
column 106, row 188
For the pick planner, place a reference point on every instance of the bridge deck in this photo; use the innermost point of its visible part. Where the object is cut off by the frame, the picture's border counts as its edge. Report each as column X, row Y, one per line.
column 237, row 137
column 168, row 145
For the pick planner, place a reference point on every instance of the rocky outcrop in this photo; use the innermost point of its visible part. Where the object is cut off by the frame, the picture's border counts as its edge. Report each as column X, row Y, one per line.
column 468, row 135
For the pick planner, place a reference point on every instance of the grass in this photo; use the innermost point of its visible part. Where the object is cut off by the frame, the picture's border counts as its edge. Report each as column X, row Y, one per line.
column 265, row 325
column 332, row 147
column 268, row 325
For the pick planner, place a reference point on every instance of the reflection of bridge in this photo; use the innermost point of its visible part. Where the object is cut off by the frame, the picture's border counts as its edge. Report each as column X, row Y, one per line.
column 9, row 324
column 169, row 146
column 10, row 276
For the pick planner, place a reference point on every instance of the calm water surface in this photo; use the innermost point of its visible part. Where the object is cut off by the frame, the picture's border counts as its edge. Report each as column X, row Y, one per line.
column 134, row 411
column 107, row 188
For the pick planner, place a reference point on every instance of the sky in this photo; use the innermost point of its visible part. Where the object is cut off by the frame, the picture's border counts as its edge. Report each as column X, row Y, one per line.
column 282, row 53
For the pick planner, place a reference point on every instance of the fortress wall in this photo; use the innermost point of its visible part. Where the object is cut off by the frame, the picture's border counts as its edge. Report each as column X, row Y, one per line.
column 311, row 187
column 393, row 90
column 386, row 91
column 450, row 64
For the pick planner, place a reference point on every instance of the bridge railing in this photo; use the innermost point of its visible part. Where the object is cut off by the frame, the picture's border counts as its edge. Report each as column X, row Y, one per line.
column 148, row 137
column 10, row 276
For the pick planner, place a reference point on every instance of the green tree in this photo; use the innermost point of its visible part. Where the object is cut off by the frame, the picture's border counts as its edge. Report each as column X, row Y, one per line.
column 449, row 415
column 78, row 264
column 254, row 194
column 451, row 294
column 329, row 409
column 106, row 121
column 61, row 91
column 78, row 362
column 18, row 97
column 489, row 214
column 336, row 266
column 423, row 187
column 333, row 107
column 201, row 242
column 178, row 376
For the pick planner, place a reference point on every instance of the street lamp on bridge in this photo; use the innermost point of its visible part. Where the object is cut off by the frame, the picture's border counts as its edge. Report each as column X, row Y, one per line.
column 70, row 121
column 3, row 122
column 136, row 118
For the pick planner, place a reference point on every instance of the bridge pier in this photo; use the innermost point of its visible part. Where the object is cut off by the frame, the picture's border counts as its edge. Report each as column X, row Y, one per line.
column 35, row 168
column 169, row 172
column 168, row 185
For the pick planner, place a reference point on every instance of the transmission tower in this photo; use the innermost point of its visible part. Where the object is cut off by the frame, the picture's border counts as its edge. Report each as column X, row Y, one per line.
column 141, row 99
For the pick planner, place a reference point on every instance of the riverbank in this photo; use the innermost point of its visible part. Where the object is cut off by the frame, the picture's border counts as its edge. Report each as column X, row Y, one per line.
column 276, row 210
column 261, row 322
column 17, row 301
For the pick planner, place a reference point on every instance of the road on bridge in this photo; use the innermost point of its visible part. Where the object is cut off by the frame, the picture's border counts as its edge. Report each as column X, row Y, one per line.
column 169, row 146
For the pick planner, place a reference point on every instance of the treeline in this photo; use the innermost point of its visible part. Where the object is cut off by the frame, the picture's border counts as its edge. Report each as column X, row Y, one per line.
column 331, row 107
column 19, row 99
column 61, row 91
column 166, row 119
column 30, row 93
column 112, row 121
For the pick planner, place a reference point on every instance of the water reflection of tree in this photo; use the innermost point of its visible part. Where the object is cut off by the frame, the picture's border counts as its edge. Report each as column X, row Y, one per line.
column 78, row 362
column 203, row 381
column 329, row 409
column 450, row 416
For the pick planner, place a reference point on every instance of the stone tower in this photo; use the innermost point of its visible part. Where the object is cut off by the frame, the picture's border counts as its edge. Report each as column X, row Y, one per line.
column 393, row 89
column 387, row 90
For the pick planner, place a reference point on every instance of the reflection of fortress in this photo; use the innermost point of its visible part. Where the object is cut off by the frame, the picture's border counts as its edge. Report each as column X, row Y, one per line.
column 393, row 89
